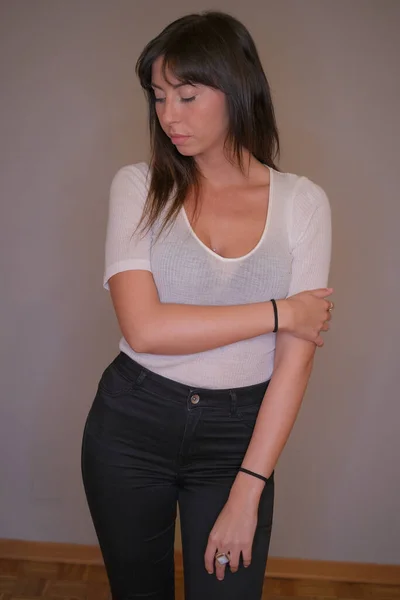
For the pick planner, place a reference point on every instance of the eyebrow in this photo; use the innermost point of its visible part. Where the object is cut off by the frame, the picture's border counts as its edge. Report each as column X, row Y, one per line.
column 176, row 86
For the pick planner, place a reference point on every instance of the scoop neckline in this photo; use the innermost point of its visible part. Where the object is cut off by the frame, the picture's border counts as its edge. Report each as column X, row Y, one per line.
column 260, row 241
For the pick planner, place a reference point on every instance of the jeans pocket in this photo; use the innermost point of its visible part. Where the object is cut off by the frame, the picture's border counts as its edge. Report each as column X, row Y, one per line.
column 113, row 383
column 248, row 415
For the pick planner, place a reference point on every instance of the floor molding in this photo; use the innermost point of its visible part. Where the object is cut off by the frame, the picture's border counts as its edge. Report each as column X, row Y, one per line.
column 287, row 568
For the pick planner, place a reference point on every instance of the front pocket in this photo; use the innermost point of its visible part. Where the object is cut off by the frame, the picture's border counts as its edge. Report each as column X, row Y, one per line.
column 113, row 383
column 248, row 415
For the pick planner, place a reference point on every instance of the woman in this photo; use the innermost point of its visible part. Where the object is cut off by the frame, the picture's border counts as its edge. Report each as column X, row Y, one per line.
column 209, row 250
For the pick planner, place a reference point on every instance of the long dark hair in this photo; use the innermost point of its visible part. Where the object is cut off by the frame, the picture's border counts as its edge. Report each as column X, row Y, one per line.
column 213, row 49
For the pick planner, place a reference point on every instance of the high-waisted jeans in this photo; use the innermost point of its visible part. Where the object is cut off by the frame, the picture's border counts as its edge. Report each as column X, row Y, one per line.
column 150, row 444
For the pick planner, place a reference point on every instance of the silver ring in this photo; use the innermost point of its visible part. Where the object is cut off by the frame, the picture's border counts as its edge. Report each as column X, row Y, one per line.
column 222, row 558
column 331, row 307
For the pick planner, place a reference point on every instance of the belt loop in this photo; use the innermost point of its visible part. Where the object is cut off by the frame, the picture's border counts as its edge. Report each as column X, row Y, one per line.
column 142, row 375
column 233, row 403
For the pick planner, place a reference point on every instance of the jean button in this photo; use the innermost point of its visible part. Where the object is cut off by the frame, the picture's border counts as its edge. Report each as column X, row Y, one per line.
column 195, row 399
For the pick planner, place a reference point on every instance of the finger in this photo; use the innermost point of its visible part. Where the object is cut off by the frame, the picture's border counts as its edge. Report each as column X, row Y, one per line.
column 322, row 292
column 325, row 326
column 329, row 305
column 220, row 569
column 234, row 562
column 209, row 556
column 246, row 554
column 319, row 342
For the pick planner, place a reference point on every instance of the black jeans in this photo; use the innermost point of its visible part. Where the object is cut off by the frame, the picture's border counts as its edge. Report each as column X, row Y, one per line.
column 149, row 444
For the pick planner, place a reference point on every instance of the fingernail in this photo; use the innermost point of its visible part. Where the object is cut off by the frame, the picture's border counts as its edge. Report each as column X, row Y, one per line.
column 210, row 572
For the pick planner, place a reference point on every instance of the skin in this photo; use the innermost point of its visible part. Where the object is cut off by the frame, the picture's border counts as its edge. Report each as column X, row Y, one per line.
column 199, row 113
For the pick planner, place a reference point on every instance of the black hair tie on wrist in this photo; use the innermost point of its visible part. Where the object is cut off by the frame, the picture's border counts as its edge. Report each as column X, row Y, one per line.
column 254, row 474
column 275, row 315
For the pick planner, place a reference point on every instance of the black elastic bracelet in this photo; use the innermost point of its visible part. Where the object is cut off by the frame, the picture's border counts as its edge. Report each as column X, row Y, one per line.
column 254, row 474
column 275, row 315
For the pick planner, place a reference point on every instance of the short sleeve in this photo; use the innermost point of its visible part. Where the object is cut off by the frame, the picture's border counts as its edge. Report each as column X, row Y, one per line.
column 310, row 238
column 126, row 250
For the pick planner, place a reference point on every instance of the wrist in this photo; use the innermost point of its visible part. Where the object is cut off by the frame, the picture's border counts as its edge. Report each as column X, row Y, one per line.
column 285, row 315
column 246, row 489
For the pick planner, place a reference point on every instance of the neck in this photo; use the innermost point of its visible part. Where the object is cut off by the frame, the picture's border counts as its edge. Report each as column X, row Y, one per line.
column 219, row 172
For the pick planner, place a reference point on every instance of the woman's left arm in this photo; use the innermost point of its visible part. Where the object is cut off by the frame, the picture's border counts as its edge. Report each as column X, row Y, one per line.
column 293, row 364
column 310, row 241
column 235, row 527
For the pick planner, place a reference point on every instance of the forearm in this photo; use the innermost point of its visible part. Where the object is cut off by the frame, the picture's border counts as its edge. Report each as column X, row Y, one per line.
column 154, row 327
column 187, row 329
column 277, row 414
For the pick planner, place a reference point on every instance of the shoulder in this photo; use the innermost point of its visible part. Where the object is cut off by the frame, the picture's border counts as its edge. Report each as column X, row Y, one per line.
column 301, row 193
column 131, row 178
column 306, row 206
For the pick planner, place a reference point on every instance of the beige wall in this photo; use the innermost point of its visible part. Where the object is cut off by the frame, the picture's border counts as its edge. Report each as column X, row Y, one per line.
column 71, row 114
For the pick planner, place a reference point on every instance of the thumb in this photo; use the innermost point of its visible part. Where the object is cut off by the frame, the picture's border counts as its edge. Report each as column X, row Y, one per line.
column 322, row 292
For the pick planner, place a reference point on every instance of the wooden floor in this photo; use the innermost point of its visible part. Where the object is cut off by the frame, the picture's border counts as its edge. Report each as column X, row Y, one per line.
column 27, row 580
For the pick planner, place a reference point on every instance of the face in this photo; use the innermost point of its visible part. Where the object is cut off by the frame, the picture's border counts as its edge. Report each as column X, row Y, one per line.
column 193, row 116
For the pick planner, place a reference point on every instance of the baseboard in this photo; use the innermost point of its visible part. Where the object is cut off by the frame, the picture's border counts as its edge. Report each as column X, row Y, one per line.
column 50, row 552
column 287, row 568
column 352, row 572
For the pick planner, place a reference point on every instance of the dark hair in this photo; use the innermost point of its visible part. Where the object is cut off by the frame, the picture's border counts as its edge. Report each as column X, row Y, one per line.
column 216, row 50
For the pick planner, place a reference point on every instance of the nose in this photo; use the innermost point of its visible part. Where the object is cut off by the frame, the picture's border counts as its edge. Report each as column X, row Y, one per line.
column 170, row 112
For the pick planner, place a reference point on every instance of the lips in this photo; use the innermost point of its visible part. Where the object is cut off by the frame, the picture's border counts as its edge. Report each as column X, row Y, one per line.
column 177, row 138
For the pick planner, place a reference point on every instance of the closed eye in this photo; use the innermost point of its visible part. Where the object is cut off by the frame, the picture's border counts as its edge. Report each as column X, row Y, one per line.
column 160, row 100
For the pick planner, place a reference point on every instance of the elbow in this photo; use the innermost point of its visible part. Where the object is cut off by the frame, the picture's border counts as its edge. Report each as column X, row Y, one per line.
column 143, row 333
column 141, row 340
column 138, row 343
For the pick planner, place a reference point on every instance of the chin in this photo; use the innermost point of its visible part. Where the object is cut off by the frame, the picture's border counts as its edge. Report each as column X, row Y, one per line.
column 186, row 151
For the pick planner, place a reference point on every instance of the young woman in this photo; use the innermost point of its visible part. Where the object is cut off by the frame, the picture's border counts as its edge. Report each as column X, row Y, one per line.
column 209, row 252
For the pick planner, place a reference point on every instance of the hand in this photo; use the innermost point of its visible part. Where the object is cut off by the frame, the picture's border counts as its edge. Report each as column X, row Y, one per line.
column 306, row 314
column 233, row 533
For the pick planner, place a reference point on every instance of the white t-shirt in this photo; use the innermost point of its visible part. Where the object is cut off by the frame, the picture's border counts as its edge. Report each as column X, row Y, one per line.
column 292, row 255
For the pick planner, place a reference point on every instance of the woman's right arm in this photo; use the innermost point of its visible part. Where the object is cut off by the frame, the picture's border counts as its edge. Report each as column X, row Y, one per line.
column 150, row 326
